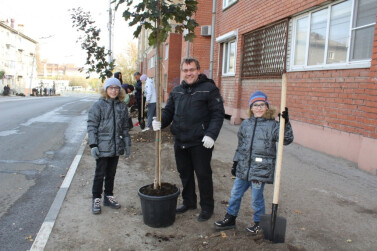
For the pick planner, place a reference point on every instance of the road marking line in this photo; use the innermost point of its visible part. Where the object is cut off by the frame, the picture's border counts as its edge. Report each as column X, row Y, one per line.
column 44, row 232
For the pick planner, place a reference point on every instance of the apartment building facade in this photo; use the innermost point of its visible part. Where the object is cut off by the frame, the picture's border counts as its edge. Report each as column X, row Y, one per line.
column 17, row 58
column 328, row 50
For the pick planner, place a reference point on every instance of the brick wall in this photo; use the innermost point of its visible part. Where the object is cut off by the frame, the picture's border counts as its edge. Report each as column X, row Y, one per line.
column 200, row 47
column 337, row 106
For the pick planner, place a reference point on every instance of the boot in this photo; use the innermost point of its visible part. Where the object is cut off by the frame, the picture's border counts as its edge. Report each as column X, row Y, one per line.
column 228, row 222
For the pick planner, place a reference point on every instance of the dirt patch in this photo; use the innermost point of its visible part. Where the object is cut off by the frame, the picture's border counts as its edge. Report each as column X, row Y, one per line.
column 165, row 189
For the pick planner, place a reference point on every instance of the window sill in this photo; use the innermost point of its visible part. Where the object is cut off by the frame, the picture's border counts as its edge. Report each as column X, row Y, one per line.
column 228, row 75
column 363, row 64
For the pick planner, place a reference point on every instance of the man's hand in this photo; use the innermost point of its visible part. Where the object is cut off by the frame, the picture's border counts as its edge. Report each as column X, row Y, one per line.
column 208, row 142
column 95, row 152
column 156, row 125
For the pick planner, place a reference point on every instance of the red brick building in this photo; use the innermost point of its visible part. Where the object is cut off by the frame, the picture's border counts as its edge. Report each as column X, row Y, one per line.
column 329, row 51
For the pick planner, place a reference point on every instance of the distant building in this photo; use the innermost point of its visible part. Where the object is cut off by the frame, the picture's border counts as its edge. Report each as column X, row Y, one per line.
column 17, row 58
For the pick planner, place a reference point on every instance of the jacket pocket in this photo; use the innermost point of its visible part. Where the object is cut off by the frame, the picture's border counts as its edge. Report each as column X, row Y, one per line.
column 262, row 167
column 104, row 143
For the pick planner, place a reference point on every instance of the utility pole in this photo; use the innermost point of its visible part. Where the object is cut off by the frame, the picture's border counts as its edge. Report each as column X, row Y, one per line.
column 31, row 75
column 110, row 27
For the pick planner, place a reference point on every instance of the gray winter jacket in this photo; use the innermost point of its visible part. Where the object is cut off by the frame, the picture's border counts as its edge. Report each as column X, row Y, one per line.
column 108, row 127
column 256, row 151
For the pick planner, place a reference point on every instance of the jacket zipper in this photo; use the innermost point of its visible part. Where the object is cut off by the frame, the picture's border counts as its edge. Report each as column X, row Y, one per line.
column 251, row 147
column 115, row 140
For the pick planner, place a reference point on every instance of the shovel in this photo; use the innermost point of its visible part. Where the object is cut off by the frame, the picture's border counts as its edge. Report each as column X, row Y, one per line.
column 274, row 226
column 142, row 122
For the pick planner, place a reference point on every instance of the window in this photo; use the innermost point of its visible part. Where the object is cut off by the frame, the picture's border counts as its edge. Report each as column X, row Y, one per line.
column 151, row 62
column 264, row 51
column 229, row 57
column 166, row 51
column 339, row 35
column 227, row 3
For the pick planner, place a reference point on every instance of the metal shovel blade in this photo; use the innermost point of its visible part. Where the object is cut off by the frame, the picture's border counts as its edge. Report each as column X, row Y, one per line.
column 142, row 124
column 273, row 231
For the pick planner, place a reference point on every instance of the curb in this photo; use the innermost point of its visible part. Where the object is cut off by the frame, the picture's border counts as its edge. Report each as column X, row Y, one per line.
column 47, row 225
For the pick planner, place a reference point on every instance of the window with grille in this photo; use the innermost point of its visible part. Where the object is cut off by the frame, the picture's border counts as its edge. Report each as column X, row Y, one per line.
column 264, row 51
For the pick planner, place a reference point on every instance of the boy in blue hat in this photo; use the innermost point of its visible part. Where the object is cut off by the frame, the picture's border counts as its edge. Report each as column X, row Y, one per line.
column 254, row 160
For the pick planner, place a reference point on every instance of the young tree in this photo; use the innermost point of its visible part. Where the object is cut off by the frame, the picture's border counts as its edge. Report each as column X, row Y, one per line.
column 161, row 17
column 96, row 55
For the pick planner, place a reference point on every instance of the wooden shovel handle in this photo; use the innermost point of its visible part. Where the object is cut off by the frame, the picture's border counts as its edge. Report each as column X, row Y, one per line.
column 279, row 158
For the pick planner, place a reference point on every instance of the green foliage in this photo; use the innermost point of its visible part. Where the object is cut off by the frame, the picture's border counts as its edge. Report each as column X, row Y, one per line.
column 2, row 73
column 96, row 55
column 127, row 63
column 174, row 17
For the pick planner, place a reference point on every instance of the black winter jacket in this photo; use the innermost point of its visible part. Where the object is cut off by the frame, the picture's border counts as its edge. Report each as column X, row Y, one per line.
column 195, row 111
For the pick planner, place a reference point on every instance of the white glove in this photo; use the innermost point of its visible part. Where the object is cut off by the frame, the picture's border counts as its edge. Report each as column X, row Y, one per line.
column 95, row 152
column 208, row 142
column 156, row 125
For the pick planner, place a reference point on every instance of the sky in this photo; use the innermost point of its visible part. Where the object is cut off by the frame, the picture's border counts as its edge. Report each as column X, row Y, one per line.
column 49, row 22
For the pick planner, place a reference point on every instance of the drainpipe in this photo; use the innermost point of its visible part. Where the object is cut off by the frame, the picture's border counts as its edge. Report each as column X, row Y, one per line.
column 212, row 39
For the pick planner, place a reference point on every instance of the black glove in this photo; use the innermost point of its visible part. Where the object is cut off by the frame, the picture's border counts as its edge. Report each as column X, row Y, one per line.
column 234, row 168
column 285, row 115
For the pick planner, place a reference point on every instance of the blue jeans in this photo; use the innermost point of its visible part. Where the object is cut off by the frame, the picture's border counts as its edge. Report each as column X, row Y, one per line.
column 239, row 188
column 151, row 113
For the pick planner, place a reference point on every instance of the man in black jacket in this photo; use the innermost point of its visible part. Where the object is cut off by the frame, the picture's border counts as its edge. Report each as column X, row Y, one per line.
column 138, row 94
column 196, row 110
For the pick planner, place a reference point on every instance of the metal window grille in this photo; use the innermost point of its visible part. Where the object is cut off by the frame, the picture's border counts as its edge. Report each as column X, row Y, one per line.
column 265, row 51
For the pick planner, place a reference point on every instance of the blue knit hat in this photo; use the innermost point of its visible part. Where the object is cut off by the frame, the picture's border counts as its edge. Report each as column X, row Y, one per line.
column 110, row 82
column 258, row 96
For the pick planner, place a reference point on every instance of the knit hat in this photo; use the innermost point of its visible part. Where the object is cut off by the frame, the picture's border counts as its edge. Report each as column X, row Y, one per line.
column 143, row 77
column 110, row 82
column 258, row 96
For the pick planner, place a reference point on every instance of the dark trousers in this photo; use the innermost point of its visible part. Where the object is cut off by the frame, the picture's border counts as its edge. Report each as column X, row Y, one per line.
column 195, row 159
column 139, row 115
column 105, row 171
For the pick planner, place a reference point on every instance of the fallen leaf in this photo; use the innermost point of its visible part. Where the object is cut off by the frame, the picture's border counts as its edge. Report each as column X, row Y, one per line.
column 349, row 241
column 297, row 211
column 303, row 229
column 223, row 234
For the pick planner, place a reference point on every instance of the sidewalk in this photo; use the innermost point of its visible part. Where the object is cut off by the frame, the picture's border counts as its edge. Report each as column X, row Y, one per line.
column 328, row 204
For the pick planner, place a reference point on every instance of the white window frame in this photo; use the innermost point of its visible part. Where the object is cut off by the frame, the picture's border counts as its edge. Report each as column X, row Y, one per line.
column 347, row 64
column 166, row 51
column 151, row 62
column 228, row 3
column 226, row 58
column 226, row 39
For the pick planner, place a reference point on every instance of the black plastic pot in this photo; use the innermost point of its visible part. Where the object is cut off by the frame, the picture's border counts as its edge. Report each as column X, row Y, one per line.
column 158, row 211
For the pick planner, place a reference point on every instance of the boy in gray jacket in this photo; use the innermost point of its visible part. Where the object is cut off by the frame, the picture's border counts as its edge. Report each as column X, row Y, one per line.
column 108, row 139
column 254, row 160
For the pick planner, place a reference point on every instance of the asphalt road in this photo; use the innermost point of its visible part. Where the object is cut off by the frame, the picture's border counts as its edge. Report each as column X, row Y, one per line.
column 39, row 137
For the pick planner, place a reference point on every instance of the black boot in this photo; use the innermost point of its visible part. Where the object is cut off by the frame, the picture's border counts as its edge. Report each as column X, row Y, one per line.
column 110, row 202
column 228, row 222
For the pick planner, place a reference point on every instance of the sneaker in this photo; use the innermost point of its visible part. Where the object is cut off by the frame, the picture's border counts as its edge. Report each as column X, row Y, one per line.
column 228, row 222
column 254, row 229
column 204, row 215
column 110, row 201
column 146, row 129
column 96, row 206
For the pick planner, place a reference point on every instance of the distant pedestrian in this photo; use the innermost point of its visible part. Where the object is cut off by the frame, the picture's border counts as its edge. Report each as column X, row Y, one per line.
column 108, row 139
column 150, row 99
column 139, row 96
column 254, row 160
